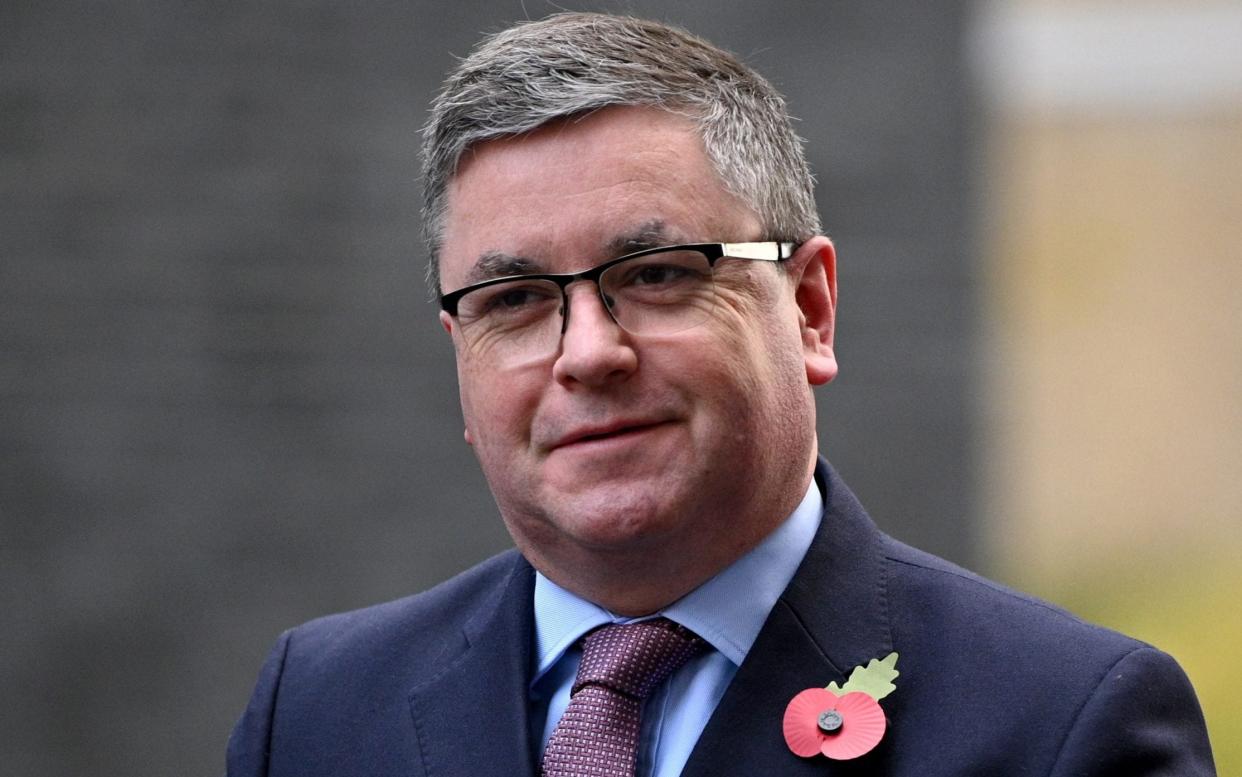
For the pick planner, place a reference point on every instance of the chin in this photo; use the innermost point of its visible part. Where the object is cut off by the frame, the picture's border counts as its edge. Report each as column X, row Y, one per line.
column 621, row 517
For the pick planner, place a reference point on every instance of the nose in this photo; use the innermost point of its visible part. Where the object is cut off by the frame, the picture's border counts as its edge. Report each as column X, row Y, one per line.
column 595, row 351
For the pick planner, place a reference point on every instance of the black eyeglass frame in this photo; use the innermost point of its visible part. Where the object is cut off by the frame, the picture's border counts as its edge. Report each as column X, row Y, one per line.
column 758, row 251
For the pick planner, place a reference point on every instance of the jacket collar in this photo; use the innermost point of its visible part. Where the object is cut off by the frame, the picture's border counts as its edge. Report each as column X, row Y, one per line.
column 471, row 717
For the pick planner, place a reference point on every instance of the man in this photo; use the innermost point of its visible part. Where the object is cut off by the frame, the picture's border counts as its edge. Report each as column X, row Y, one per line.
column 631, row 270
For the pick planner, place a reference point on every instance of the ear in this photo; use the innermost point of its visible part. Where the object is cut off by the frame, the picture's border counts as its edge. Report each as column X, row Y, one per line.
column 814, row 267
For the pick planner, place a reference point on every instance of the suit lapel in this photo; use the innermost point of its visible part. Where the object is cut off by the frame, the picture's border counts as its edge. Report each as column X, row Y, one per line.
column 831, row 618
column 471, row 718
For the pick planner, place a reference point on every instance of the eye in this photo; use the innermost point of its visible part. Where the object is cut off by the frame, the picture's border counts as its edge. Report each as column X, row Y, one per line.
column 668, row 268
column 513, row 300
column 652, row 274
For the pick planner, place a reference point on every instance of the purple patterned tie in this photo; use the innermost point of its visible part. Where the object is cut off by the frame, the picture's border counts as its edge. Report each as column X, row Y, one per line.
column 598, row 734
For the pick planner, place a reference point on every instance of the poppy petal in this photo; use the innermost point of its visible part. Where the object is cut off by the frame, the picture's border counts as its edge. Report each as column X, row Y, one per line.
column 801, row 722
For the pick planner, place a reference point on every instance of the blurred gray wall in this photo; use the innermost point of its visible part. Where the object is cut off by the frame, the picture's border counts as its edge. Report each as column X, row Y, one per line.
column 225, row 403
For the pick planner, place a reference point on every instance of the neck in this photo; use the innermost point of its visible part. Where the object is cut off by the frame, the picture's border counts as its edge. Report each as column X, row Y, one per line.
column 647, row 577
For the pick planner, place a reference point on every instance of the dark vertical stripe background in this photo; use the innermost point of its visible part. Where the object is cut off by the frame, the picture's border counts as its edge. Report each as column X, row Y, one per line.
column 225, row 402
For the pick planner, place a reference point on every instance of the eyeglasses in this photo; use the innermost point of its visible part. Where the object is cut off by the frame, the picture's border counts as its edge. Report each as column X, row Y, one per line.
column 658, row 291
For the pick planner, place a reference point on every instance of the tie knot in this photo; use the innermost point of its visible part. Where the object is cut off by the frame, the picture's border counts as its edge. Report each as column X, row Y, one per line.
column 634, row 658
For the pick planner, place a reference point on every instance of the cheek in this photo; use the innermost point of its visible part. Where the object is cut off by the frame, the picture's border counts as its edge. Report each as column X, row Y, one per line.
column 726, row 367
column 497, row 407
column 474, row 389
column 758, row 329
column 760, row 354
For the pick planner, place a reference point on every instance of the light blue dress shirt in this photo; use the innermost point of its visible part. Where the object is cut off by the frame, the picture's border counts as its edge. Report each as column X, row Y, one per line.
column 727, row 611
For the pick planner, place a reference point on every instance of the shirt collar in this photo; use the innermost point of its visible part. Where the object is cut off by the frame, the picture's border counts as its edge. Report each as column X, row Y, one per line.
column 727, row 611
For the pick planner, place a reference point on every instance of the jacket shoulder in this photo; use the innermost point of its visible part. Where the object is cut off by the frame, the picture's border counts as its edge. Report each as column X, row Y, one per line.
column 334, row 694
column 1011, row 665
column 926, row 591
column 430, row 625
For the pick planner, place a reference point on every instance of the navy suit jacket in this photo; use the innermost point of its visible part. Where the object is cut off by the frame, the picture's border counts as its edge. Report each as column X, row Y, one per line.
column 993, row 683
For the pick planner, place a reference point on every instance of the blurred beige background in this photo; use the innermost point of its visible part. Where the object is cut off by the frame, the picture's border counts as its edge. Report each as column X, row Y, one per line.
column 1112, row 431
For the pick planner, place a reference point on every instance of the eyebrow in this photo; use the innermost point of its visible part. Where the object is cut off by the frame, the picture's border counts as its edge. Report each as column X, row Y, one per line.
column 498, row 264
column 650, row 234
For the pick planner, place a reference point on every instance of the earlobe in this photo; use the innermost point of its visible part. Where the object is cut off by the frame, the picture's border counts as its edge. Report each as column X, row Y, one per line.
column 446, row 321
column 816, row 295
column 469, row 437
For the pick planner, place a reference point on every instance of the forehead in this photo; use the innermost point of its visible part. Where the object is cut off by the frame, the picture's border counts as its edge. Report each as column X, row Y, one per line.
column 582, row 190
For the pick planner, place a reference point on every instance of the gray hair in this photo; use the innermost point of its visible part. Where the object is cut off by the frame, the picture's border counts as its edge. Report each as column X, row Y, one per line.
column 573, row 63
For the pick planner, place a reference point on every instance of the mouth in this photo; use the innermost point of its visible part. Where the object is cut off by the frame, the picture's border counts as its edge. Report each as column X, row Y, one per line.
column 614, row 431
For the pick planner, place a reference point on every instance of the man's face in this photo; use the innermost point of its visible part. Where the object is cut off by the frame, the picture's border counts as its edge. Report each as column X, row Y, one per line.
column 622, row 451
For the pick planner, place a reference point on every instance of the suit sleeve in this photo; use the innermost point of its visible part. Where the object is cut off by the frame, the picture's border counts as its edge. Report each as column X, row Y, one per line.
column 1142, row 720
column 251, row 741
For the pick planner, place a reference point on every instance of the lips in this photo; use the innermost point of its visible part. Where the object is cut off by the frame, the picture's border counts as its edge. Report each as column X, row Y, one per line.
column 607, row 431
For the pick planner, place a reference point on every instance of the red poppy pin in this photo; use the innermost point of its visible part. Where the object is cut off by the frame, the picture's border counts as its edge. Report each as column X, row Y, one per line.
column 842, row 722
